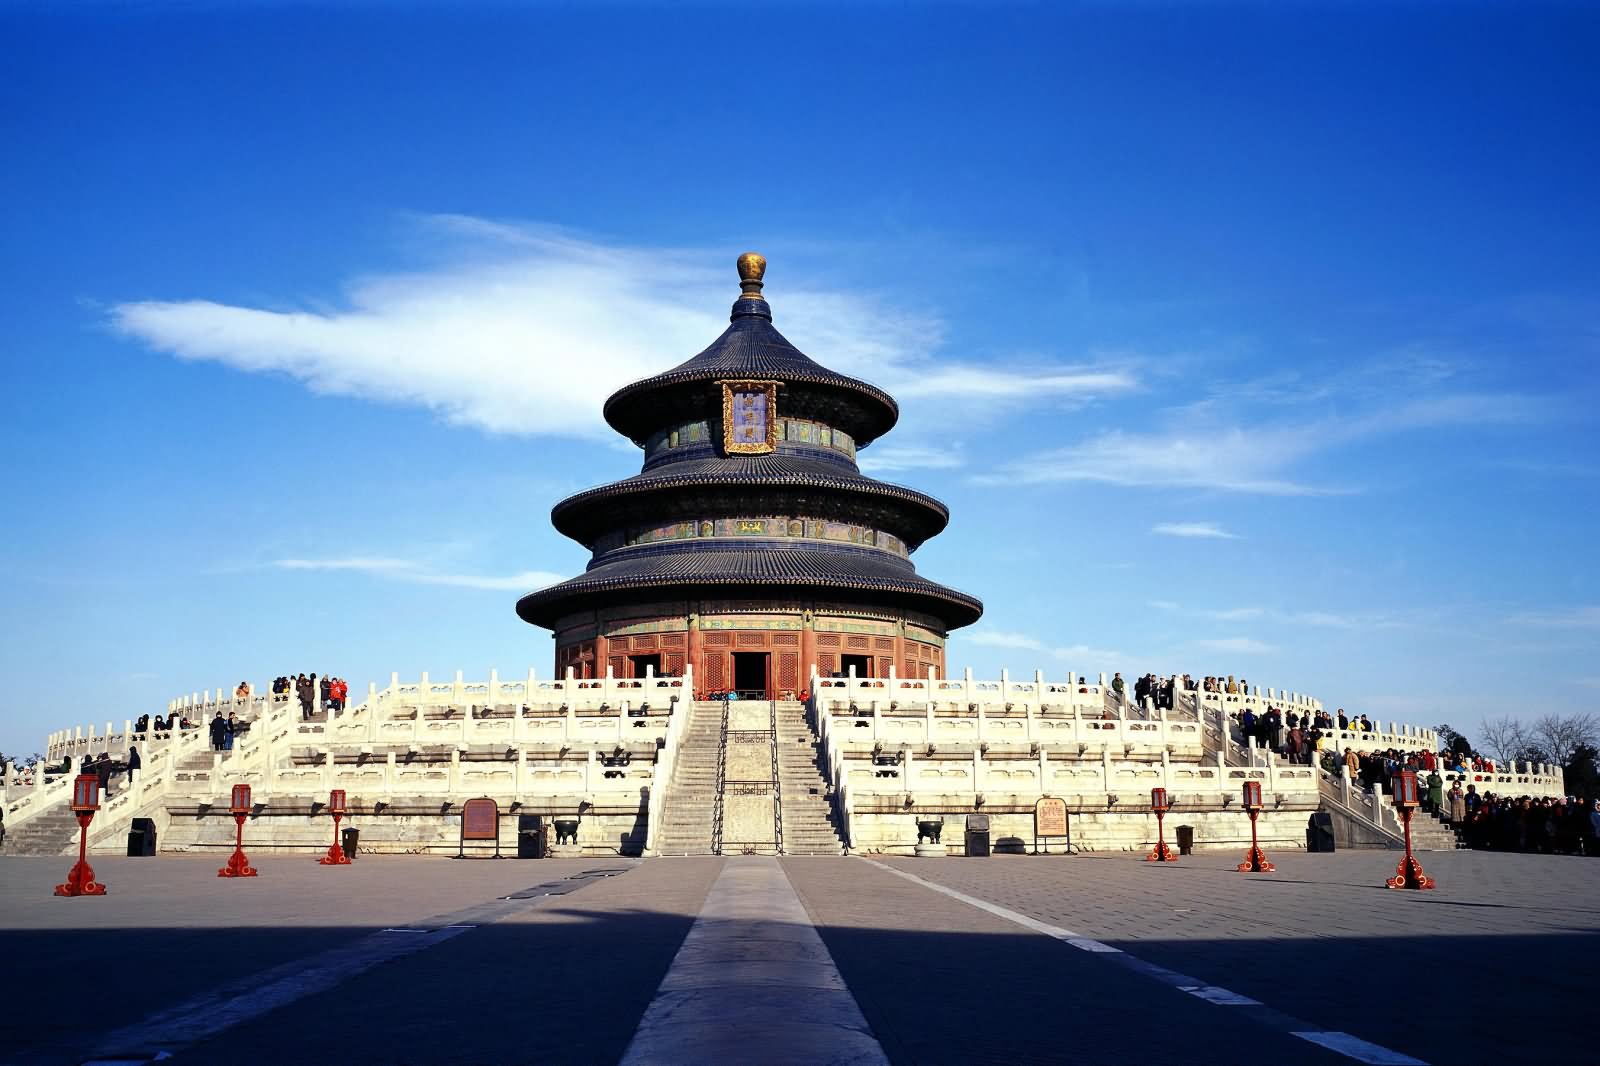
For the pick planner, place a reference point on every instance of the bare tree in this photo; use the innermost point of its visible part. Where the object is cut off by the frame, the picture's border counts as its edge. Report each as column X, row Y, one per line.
column 1558, row 736
column 1506, row 738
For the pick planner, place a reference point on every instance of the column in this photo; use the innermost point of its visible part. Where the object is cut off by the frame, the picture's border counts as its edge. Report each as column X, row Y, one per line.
column 808, row 644
column 693, row 662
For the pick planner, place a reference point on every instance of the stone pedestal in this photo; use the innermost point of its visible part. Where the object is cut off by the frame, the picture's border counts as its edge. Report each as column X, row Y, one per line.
column 931, row 851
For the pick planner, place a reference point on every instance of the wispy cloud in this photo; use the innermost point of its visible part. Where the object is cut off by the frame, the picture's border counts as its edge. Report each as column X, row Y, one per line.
column 1236, row 614
column 416, row 573
column 526, row 329
column 1292, row 619
column 1193, row 529
column 1211, row 452
column 1001, row 638
column 1559, row 618
column 894, row 458
column 1237, row 645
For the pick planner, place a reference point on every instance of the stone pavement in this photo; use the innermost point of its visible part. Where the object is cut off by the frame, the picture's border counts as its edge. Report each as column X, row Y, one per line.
column 400, row 960
column 1501, row 956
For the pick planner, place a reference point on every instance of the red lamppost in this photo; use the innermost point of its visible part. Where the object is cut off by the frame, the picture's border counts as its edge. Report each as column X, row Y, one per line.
column 239, row 807
column 85, row 801
column 1256, row 862
column 1158, row 803
column 336, row 855
column 1410, row 874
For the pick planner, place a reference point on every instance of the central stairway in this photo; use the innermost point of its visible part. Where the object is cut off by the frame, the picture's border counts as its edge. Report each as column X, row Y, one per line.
column 746, row 780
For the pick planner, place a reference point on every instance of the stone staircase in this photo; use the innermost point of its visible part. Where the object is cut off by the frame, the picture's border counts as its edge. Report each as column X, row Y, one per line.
column 1430, row 832
column 689, row 810
column 808, row 827
column 692, row 802
column 51, row 832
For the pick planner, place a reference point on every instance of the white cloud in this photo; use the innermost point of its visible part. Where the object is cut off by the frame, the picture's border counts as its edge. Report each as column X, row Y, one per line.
column 1208, row 452
column 894, row 458
column 1559, row 618
column 1001, row 638
column 1016, row 382
column 1333, row 621
column 1231, row 459
column 1236, row 614
column 416, row 573
column 1237, row 645
column 1193, row 529
column 526, row 330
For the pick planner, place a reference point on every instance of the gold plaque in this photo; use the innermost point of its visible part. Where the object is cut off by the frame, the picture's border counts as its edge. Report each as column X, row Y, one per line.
column 749, row 417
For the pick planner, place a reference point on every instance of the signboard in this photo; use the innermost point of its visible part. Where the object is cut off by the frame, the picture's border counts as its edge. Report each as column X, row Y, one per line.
column 749, row 417
column 480, row 820
column 977, row 823
column 1050, row 820
column 1050, row 817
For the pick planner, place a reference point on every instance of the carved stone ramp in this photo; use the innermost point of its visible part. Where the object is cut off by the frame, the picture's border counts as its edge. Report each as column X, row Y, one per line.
column 753, row 983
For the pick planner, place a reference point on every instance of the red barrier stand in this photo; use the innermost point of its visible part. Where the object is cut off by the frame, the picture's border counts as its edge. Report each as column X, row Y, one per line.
column 238, row 865
column 336, row 855
column 1158, row 803
column 1255, row 862
column 1410, row 874
column 85, row 801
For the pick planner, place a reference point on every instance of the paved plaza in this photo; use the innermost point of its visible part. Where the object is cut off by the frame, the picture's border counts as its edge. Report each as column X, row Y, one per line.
column 1082, row 959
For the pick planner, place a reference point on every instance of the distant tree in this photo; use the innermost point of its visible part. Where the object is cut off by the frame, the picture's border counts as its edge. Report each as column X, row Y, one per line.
column 1453, row 741
column 1557, row 737
column 1582, row 772
column 1509, row 740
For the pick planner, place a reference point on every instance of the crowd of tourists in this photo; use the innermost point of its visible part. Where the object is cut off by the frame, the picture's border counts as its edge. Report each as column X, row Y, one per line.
column 162, row 724
column 1546, row 824
column 1160, row 690
column 327, row 692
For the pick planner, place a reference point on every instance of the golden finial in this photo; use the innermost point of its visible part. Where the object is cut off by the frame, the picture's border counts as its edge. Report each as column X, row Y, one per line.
column 752, row 265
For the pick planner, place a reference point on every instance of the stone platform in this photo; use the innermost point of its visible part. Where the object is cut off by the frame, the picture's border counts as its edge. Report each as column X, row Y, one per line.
column 1006, row 960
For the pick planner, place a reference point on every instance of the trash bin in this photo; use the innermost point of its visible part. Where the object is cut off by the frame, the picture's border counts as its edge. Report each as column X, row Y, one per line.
column 142, row 837
column 1185, row 840
column 978, row 836
column 532, row 843
column 349, row 838
column 1319, row 832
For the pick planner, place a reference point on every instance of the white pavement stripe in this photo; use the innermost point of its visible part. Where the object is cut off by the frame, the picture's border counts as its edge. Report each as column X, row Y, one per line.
column 753, row 983
column 1358, row 1049
column 1343, row 1043
column 1222, row 997
column 239, row 1001
column 206, row 1016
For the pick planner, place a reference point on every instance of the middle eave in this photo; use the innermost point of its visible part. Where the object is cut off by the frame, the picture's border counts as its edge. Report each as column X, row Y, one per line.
column 759, row 483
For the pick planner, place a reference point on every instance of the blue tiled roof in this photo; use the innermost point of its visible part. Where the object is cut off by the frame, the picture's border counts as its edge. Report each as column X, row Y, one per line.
column 749, row 348
column 577, row 516
column 703, row 570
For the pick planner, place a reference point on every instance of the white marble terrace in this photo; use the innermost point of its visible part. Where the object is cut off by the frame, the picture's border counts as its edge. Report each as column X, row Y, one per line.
column 885, row 740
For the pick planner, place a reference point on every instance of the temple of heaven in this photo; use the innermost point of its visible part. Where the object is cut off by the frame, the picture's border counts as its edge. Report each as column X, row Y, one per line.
column 750, row 545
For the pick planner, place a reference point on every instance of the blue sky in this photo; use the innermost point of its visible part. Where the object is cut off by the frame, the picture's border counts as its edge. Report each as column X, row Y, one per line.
column 1253, row 339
